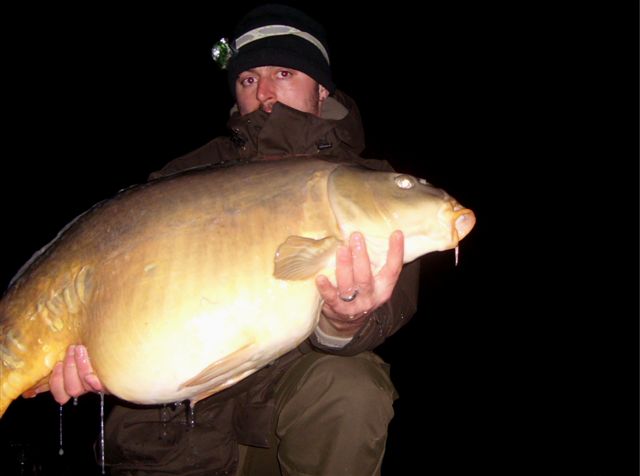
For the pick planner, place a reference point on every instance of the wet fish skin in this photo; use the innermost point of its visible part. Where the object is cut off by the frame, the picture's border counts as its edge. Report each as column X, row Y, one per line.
column 183, row 286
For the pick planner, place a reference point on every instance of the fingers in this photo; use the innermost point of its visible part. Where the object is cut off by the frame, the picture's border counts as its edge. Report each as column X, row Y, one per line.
column 327, row 291
column 72, row 379
column 361, row 265
column 333, row 305
column 344, row 271
column 88, row 378
column 74, row 376
column 353, row 268
column 44, row 387
column 353, row 273
column 395, row 255
column 56, row 384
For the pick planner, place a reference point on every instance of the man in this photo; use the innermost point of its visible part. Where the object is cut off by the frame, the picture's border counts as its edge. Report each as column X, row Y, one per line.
column 323, row 408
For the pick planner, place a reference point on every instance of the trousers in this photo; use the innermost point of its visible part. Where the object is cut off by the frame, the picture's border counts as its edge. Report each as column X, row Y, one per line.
column 331, row 418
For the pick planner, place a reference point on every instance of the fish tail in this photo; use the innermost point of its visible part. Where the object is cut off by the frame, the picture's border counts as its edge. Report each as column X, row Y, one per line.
column 32, row 340
column 24, row 367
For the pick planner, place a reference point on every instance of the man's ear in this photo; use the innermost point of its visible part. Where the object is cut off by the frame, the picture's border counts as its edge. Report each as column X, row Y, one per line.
column 323, row 93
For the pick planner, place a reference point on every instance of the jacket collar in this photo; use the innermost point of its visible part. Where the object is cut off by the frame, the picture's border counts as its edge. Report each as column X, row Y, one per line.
column 289, row 132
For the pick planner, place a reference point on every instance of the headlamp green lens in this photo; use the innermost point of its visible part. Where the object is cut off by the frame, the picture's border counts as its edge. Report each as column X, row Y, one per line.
column 222, row 52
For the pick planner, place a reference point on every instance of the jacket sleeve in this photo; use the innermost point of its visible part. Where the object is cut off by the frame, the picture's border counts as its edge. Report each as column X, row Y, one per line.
column 385, row 320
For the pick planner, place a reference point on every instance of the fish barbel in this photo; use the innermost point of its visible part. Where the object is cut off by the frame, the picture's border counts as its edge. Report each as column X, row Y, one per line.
column 183, row 286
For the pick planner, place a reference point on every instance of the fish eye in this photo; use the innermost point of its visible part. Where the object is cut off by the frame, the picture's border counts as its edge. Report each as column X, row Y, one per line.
column 404, row 181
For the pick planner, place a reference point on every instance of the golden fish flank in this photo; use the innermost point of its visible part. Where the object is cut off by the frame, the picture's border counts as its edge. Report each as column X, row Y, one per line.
column 182, row 287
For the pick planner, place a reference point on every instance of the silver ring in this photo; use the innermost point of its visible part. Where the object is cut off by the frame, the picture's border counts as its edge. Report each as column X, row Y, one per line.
column 349, row 298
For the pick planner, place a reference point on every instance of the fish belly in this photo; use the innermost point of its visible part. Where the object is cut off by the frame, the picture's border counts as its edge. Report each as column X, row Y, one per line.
column 170, row 285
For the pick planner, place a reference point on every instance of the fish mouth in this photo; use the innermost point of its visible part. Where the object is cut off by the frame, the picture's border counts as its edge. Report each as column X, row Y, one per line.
column 464, row 220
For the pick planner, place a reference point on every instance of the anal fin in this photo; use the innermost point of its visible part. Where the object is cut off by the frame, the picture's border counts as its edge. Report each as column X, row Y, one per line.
column 218, row 388
column 221, row 367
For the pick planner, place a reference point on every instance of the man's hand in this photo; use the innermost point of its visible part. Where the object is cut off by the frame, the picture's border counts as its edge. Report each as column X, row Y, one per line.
column 348, row 305
column 74, row 376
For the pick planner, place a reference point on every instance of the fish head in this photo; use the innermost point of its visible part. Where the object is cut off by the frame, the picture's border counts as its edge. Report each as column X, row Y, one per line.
column 377, row 203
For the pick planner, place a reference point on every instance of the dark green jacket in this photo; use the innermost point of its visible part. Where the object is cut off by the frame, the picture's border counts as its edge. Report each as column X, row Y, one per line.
column 244, row 413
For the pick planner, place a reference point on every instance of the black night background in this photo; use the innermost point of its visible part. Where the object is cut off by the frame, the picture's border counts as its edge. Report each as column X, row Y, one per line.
column 524, row 357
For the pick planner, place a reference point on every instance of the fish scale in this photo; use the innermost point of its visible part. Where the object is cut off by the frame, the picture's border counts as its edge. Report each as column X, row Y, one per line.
column 183, row 286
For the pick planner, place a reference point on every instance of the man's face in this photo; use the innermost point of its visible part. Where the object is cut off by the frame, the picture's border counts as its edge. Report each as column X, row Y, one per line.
column 263, row 86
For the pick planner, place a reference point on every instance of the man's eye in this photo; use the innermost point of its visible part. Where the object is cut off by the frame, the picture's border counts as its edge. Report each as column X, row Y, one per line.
column 284, row 74
column 247, row 81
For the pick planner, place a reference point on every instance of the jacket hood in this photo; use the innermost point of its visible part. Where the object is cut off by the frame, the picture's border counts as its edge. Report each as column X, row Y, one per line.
column 286, row 131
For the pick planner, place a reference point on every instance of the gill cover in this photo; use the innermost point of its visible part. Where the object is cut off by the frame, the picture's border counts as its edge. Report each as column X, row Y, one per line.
column 377, row 203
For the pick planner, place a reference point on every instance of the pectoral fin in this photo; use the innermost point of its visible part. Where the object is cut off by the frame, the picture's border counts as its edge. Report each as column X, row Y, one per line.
column 300, row 258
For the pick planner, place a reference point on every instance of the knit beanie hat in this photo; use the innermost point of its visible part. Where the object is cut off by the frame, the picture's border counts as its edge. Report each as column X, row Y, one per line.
column 279, row 35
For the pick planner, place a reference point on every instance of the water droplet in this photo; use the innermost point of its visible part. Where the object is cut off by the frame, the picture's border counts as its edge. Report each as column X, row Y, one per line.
column 165, row 413
column 102, row 431
column 61, row 449
column 191, row 415
column 75, row 401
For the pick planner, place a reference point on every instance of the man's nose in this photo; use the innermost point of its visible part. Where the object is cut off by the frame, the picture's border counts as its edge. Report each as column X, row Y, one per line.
column 266, row 93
